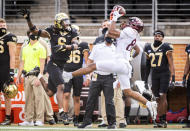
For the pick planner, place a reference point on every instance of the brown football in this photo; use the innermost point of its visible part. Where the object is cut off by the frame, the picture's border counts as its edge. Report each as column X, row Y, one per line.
column 120, row 8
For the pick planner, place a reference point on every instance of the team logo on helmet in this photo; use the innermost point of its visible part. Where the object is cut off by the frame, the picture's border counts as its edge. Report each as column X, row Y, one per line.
column 10, row 91
column 62, row 21
column 136, row 23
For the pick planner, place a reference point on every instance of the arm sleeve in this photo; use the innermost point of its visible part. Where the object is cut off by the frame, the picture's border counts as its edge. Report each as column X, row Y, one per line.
column 147, row 70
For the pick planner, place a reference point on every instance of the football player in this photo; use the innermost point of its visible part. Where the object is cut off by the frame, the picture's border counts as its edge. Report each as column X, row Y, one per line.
column 126, row 41
column 75, row 62
column 187, row 84
column 7, row 59
column 63, row 39
column 160, row 60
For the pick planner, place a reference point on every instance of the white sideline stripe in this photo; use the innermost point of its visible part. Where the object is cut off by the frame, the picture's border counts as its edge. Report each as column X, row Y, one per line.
column 91, row 129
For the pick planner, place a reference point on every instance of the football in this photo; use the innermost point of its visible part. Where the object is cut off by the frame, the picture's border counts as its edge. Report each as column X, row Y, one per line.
column 120, row 9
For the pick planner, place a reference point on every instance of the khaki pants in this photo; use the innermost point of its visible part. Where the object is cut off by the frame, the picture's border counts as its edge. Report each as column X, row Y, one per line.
column 47, row 103
column 119, row 106
column 34, row 100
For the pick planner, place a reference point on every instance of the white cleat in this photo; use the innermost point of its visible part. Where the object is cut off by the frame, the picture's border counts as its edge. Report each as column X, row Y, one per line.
column 152, row 106
column 26, row 123
column 39, row 123
column 67, row 76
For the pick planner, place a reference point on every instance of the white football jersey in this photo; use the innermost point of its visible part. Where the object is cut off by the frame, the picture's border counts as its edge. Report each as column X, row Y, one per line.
column 126, row 42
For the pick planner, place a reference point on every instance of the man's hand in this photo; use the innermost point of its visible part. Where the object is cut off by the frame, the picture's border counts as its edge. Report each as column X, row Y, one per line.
column 25, row 13
column 184, row 82
column 59, row 48
column 172, row 83
column 117, row 12
column 36, row 82
column 11, row 76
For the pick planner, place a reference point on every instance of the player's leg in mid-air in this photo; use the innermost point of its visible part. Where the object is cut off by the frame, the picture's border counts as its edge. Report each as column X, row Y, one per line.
column 123, row 69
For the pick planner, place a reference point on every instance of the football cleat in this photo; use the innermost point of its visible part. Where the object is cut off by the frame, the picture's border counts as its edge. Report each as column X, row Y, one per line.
column 152, row 107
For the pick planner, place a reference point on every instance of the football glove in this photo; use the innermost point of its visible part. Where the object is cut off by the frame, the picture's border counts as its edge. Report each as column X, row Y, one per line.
column 59, row 48
column 172, row 83
column 11, row 77
column 115, row 14
column 184, row 82
column 25, row 13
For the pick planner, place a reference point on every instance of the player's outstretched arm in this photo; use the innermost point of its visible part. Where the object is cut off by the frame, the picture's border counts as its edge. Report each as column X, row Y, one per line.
column 26, row 14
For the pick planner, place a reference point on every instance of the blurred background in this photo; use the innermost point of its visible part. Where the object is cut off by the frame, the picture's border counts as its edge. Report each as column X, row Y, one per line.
column 172, row 16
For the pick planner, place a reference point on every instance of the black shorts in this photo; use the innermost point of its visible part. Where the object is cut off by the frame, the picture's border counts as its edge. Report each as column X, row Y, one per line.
column 55, row 76
column 160, row 83
column 4, row 76
column 76, row 83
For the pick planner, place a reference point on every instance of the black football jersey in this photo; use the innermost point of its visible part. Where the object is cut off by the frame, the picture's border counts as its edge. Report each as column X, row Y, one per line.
column 60, row 38
column 4, row 48
column 187, row 50
column 158, row 58
column 76, row 58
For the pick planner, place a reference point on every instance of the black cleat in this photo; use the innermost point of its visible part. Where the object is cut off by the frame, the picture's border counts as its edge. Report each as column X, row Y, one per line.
column 162, row 124
column 85, row 125
column 186, row 126
column 122, row 125
column 102, row 125
column 75, row 121
column 64, row 116
column 52, row 122
column 112, row 126
column 6, row 122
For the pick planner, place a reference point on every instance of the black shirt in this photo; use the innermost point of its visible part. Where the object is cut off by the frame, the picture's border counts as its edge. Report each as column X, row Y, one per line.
column 60, row 38
column 158, row 58
column 76, row 58
column 4, row 48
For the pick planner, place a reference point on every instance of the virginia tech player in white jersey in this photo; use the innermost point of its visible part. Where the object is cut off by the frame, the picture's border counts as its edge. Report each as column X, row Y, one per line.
column 126, row 42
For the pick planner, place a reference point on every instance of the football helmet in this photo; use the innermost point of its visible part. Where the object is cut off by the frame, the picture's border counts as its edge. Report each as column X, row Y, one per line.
column 136, row 23
column 62, row 21
column 10, row 91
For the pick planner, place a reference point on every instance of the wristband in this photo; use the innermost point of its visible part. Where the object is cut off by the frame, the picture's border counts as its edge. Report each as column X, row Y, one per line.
column 173, row 78
column 184, row 77
column 72, row 47
column 33, row 28
column 40, row 76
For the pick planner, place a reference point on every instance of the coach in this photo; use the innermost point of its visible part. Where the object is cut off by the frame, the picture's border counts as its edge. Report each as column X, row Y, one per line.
column 101, row 81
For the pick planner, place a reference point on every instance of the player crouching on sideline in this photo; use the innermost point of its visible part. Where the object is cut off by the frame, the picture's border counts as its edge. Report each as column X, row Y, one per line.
column 126, row 41
column 160, row 60
column 33, row 55
column 7, row 65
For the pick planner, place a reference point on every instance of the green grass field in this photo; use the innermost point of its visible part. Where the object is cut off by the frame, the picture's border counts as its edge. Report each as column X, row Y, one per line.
column 58, row 127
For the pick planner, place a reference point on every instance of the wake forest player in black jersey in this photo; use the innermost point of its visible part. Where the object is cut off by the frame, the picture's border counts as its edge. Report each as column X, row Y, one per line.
column 160, row 60
column 7, row 64
column 63, row 39
column 75, row 62
column 186, row 83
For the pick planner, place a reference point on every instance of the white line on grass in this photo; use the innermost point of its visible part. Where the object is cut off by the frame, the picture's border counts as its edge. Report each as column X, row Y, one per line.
column 85, row 129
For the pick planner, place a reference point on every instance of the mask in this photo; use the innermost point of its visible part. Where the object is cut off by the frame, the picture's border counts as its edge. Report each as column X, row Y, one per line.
column 108, row 40
column 33, row 37
column 157, row 43
column 3, row 31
